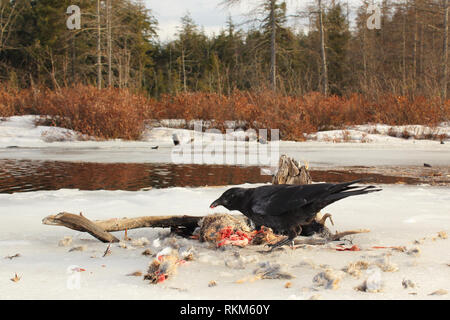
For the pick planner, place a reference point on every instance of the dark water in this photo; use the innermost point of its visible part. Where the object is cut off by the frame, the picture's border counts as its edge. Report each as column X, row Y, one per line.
column 349, row 175
column 25, row 175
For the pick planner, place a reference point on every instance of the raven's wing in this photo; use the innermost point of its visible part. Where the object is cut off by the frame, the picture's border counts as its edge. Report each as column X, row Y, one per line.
column 279, row 199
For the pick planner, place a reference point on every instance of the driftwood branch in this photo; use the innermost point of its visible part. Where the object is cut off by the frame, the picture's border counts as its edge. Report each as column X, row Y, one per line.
column 332, row 237
column 100, row 228
column 339, row 235
column 80, row 223
column 120, row 224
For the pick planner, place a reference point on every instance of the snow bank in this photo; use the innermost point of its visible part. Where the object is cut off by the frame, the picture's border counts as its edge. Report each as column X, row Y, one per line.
column 381, row 133
column 21, row 130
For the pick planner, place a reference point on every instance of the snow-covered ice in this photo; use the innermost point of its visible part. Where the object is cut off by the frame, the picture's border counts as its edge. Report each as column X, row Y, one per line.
column 20, row 139
column 397, row 216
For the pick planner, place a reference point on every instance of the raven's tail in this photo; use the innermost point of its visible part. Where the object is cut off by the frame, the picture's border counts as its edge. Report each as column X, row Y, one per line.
column 344, row 190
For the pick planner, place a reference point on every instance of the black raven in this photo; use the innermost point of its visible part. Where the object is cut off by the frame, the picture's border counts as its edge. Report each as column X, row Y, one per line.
column 285, row 208
column 175, row 139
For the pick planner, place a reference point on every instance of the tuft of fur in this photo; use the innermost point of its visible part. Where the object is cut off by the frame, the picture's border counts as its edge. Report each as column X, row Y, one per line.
column 415, row 252
column 373, row 283
column 265, row 235
column 141, row 242
column 329, row 279
column 267, row 270
column 65, row 242
column 162, row 268
column 355, row 268
column 386, row 265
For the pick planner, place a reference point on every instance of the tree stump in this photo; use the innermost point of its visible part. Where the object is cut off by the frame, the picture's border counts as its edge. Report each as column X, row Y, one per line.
column 291, row 172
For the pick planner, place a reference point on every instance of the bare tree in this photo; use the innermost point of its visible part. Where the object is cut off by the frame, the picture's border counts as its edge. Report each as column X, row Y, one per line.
column 9, row 11
column 99, row 48
column 109, row 37
column 273, row 48
column 322, row 52
column 445, row 53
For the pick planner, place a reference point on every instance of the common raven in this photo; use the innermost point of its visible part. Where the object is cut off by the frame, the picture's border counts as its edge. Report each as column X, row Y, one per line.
column 285, row 208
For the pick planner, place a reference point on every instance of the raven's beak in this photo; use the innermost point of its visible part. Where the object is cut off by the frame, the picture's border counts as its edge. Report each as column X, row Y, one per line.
column 215, row 204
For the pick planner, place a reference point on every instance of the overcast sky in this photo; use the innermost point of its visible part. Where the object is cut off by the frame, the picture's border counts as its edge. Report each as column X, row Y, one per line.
column 209, row 14
column 212, row 16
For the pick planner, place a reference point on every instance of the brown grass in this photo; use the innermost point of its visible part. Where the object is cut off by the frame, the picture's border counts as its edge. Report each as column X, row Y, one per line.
column 119, row 113
column 105, row 114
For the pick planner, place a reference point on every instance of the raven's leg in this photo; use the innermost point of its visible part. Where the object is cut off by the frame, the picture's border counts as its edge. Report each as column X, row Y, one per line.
column 279, row 243
column 289, row 239
column 293, row 234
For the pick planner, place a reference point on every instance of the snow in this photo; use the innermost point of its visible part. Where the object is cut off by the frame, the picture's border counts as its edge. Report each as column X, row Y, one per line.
column 44, row 267
column 382, row 134
column 21, row 130
column 383, row 129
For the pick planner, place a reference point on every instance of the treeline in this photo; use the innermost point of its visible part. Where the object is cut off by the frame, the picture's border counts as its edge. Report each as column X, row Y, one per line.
column 118, row 46
column 117, row 38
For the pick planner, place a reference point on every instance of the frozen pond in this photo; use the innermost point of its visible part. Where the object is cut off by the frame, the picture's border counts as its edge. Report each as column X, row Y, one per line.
column 33, row 175
column 316, row 153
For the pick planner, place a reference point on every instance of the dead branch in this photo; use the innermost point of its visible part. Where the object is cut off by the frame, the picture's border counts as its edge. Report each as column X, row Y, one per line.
column 323, row 219
column 339, row 235
column 107, row 251
column 331, row 237
column 100, row 228
column 120, row 224
column 311, row 241
column 79, row 223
